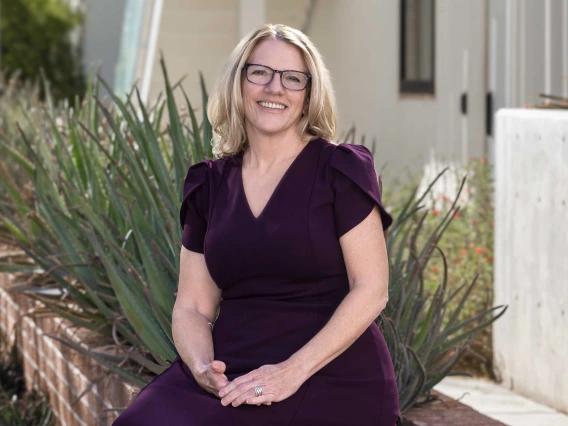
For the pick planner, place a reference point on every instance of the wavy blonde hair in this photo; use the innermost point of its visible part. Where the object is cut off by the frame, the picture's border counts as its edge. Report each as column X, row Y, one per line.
column 225, row 108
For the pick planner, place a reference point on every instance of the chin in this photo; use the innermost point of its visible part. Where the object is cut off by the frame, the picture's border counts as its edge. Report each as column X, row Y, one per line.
column 267, row 128
column 271, row 132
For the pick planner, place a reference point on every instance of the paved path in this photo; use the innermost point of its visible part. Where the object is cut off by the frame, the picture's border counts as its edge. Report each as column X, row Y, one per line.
column 499, row 403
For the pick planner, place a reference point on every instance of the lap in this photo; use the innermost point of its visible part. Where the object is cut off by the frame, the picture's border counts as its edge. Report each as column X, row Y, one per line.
column 174, row 398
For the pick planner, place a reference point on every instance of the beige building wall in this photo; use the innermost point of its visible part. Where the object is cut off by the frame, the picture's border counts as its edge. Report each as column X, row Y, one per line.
column 198, row 35
column 293, row 13
column 360, row 43
column 195, row 35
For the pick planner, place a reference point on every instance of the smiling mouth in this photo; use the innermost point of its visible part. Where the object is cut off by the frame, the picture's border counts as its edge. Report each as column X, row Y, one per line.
column 271, row 105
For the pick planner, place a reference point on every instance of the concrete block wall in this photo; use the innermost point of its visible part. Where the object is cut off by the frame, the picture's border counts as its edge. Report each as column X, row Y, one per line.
column 81, row 393
column 531, row 251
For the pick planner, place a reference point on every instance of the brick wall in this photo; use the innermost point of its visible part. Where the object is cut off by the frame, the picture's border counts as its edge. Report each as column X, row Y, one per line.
column 80, row 391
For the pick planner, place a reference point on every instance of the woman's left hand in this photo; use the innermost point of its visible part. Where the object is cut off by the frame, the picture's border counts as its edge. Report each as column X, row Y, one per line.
column 278, row 382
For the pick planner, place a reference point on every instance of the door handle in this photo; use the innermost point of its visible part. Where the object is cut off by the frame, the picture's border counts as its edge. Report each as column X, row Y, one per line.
column 463, row 102
column 489, row 114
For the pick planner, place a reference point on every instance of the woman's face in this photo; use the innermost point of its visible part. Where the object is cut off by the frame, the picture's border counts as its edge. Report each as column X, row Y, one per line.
column 261, row 118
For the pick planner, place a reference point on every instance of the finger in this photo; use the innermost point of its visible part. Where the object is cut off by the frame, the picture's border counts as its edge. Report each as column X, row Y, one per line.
column 235, row 393
column 234, row 384
column 217, row 377
column 245, row 389
column 262, row 399
column 218, row 366
column 241, row 399
column 219, row 383
column 214, row 373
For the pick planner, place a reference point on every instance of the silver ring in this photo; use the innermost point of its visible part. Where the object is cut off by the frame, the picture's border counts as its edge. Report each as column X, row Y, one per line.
column 257, row 390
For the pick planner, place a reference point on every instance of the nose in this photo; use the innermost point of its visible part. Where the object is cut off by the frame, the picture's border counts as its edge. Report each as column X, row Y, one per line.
column 276, row 84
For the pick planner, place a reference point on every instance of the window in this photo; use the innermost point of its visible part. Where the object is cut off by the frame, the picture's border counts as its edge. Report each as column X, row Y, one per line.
column 417, row 46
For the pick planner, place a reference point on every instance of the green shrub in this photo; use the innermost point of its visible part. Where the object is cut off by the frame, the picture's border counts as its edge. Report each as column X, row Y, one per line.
column 428, row 324
column 467, row 245
column 36, row 36
column 18, row 406
column 20, row 109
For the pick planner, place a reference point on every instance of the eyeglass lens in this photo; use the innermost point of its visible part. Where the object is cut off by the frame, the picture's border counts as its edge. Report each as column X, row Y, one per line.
column 293, row 80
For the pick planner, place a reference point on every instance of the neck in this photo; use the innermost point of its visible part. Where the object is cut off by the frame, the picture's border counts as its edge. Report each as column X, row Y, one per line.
column 265, row 150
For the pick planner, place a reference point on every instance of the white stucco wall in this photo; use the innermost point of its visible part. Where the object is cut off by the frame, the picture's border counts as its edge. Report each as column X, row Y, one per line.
column 531, row 249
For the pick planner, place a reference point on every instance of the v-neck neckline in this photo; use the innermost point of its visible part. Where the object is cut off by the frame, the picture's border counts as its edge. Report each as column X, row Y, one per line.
column 276, row 188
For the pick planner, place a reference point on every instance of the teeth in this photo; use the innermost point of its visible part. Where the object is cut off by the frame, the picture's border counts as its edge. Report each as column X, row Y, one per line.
column 271, row 105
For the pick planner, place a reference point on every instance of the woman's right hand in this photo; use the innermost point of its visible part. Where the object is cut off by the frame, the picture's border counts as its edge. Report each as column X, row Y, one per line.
column 212, row 377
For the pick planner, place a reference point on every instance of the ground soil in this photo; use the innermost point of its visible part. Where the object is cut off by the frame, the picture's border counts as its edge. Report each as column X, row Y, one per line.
column 445, row 411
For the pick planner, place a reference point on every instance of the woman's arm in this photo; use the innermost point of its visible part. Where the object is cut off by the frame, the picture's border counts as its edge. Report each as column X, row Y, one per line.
column 365, row 254
column 196, row 305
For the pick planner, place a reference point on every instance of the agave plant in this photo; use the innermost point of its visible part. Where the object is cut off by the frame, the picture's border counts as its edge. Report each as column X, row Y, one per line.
column 102, row 221
column 425, row 330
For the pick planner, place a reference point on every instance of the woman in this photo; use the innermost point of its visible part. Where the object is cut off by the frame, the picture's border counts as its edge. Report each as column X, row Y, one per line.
column 282, row 232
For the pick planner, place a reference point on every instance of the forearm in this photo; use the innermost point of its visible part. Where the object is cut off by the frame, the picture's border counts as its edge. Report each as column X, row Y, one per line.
column 192, row 338
column 352, row 317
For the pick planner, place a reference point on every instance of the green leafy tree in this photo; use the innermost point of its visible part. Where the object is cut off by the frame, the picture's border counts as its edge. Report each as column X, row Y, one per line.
column 36, row 36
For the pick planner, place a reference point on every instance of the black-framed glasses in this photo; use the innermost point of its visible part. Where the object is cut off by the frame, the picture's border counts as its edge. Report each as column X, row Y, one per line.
column 263, row 75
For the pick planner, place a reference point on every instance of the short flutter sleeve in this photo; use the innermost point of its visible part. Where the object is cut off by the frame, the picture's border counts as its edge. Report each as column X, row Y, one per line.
column 355, row 185
column 194, row 207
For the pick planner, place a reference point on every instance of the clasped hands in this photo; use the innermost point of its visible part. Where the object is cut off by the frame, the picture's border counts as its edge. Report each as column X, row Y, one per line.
column 278, row 381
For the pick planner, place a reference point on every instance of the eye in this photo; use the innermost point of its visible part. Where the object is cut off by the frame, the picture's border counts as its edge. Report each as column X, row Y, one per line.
column 293, row 78
column 259, row 72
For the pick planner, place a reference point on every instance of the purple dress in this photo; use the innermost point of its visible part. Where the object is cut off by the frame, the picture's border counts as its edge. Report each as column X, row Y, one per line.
column 282, row 276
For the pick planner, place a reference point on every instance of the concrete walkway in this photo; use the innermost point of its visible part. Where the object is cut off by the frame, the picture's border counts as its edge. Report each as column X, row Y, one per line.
column 499, row 403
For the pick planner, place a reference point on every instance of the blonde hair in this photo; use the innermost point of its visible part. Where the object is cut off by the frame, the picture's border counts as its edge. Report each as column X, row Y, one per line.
column 225, row 108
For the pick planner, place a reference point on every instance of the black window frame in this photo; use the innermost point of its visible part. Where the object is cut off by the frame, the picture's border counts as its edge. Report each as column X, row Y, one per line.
column 416, row 86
